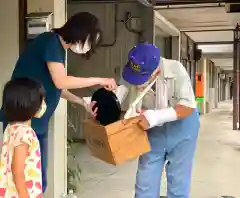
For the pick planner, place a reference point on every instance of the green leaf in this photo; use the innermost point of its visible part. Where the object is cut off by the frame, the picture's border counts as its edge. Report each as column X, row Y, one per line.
column 73, row 172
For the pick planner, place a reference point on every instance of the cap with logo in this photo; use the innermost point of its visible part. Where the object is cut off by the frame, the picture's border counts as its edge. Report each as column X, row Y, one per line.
column 143, row 60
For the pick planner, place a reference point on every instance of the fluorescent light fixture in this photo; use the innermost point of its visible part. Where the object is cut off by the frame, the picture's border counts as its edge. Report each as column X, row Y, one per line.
column 212, row 49
column 187, row 6
column 145, row 2
column 224, row 63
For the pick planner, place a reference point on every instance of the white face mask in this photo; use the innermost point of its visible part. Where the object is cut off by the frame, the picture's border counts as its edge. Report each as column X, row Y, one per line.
column 42, row 110
column 79, row 49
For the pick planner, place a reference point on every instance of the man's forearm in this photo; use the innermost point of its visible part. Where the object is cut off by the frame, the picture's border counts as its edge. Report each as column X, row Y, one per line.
column 161, row 116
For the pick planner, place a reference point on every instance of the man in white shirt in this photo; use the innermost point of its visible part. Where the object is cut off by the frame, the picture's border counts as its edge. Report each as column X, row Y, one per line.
column 172, row 116
column 170, row 110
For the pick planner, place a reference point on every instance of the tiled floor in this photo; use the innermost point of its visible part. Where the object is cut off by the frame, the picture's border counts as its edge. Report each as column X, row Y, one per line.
column 216, row 168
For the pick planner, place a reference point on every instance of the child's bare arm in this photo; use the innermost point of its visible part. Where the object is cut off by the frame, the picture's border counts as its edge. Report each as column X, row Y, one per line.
column 18, row 166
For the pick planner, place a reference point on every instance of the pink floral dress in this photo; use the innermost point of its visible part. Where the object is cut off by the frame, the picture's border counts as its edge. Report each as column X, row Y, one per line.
column 14, row 136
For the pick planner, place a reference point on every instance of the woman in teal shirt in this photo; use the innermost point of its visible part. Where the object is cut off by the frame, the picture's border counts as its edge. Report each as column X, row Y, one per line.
column 44, row 60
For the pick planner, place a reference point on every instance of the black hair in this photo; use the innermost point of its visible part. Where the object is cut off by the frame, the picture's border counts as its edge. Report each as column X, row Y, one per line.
column 22, row 99
column 80, row 27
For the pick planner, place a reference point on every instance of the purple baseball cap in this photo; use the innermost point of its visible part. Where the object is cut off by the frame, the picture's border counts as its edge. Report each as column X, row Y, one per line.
column 143, row 60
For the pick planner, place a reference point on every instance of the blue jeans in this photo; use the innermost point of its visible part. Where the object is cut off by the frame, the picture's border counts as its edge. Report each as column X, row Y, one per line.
column 41, row 128
column 43, row 140
column 175, row 142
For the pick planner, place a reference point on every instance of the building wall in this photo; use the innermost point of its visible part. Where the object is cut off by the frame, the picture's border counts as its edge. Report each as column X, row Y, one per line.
column 215, row 89
column 107, row 61
column 175, row 48
column 40, row 6
column 9, row 49
column 160, row 43
column 148, row 23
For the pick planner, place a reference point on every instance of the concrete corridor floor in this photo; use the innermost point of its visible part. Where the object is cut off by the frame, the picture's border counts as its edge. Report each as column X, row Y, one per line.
column 216, row 170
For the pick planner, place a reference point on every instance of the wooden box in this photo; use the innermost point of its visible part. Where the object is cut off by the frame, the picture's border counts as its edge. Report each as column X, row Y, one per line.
column 118, row 142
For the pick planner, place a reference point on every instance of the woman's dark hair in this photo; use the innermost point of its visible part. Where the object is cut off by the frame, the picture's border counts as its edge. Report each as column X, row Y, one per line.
column 80, row 27
column 22, row 99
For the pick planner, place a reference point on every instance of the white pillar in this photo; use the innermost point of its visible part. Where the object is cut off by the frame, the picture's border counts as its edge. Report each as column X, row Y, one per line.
column 57, row 159
column 227, row 90
column 216, row 86
column 57, row 163
column 205, row 83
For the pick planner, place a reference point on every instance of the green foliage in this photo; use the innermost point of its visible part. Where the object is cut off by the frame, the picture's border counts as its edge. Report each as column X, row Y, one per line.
column 73, row 169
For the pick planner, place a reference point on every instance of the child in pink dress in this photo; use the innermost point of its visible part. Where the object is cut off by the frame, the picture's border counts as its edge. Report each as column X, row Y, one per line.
column 20, row 162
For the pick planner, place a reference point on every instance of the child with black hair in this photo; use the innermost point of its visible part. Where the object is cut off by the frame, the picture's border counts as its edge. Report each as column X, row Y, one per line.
column 20, row 162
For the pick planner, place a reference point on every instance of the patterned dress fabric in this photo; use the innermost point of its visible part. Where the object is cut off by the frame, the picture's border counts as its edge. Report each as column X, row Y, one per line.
column 14, row 136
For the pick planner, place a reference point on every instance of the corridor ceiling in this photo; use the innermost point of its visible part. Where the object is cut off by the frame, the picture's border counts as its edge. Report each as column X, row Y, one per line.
column 207, row 24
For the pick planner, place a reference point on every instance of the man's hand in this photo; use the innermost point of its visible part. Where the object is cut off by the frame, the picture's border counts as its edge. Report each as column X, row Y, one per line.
column 183, row 111
column 143, row 122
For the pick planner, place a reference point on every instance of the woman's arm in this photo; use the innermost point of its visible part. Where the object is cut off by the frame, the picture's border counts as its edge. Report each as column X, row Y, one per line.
column 67, row 95
column 18, row 166
column 62, row 81
column 121, row 93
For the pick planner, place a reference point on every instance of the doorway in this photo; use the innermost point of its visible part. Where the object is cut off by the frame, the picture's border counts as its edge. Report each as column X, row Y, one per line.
column 22, row 13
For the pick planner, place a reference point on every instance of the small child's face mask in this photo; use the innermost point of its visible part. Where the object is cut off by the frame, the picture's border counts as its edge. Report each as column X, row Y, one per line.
column 151, row 79
column 42, row 110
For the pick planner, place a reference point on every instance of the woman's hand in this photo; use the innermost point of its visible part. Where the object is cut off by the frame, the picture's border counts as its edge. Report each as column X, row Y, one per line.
column 108, row 83
column 89, row 108
column 86, row 103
